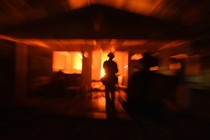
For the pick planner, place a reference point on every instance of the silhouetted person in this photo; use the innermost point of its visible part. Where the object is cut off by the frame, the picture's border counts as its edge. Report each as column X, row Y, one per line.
column 110, row 80
column 141, row 95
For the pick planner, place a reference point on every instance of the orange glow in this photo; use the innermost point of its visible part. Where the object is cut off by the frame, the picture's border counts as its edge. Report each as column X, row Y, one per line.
column 103, row 58
column 155, row 68
column 96, row 64
column 68, row 62
column 145, row 7
column 139, row 6
column 136, row 56
column 112, row 49
column 77, row 61
column 101, row 103
column 102, row 72
column 58, row 61
column 175, row 66
column 74, row 4
column 86, row 54
column 180, row 56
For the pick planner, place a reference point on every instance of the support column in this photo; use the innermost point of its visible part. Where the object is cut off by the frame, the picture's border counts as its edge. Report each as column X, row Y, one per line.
column 86, row 68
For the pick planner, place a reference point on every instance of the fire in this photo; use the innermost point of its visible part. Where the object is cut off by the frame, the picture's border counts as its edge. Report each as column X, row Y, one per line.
column 102, row 73
column 103, row 58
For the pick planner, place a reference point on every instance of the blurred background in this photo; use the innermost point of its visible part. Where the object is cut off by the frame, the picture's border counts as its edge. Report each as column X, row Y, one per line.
column 56, row 48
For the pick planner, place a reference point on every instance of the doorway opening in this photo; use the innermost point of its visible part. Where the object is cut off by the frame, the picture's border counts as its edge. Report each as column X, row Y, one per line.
column 99, row 56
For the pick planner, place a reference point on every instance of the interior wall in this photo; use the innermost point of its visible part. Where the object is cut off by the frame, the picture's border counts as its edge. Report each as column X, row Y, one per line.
column 198, row 79
column 86, row 68
column 67, row 61
column 7, row 72
column 39, row 66
column 96, row 64
column 21, row 73
column 121, row 59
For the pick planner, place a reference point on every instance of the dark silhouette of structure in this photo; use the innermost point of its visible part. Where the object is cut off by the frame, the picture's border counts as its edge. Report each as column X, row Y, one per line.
column 110, row 80
column 142, row 97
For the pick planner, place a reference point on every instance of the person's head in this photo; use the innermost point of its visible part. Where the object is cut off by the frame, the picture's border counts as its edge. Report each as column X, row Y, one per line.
column 148, row 61
column 111, row 55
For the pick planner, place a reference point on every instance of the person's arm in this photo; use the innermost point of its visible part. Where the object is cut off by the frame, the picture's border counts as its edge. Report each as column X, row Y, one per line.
column 116, row 68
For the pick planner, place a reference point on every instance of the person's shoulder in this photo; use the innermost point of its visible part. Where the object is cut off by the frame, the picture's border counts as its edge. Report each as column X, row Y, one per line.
column 114, row 62
column 105, row 62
